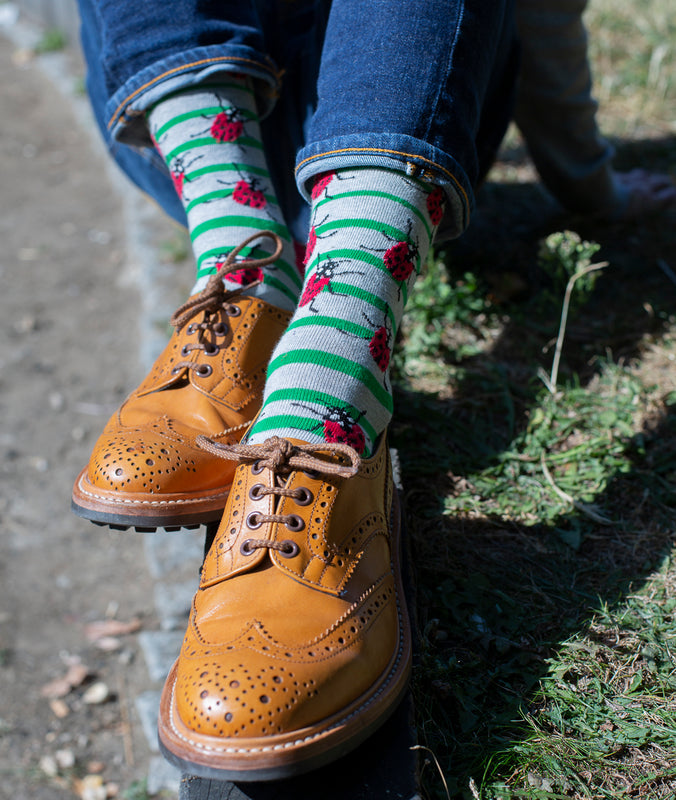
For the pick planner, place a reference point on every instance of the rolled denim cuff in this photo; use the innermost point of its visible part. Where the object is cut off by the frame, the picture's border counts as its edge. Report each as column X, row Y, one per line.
column 396, row 152
column 126, row 110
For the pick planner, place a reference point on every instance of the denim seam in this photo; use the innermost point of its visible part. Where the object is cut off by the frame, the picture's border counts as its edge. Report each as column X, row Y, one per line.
column 389, row 152
column 215, row 60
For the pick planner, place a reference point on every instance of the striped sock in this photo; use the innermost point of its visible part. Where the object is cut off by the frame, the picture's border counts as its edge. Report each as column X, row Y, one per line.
column 328, row 377
column 210, row 139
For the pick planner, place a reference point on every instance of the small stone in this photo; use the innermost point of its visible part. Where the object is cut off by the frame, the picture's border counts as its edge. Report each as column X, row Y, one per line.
column 95, row 767
column 109, row 644
column 91, row 787
column 59, row 708
column 96, row 694
column 112, row 790
column 49, row 766
column 65, row 759
column 40, row 464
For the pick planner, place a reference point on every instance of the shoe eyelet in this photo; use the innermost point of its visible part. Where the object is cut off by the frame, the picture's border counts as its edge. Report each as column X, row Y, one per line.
column 220, row 329
column 288, row 549
column 255, row 492
column 303, row 496
column 191, row 328
column 211, row 349
column 204, row 370
column 253, row 521
column 246, row 548
column 311, row 474
column 185, row 350
column 295, row 523
column 233, row 311
column 256, row 468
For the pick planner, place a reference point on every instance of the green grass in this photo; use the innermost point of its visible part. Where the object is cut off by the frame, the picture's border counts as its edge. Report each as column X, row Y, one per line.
column 542, row 522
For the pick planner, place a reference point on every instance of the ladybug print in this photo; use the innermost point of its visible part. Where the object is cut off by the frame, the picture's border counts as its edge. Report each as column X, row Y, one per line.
column 380, row 347
column 245, row 276
column 379, row 343
column 400, row 260
column 342, row 432
column 314, row 285
column 177, row 171
column 227, row 126
column 435, row 205
column 312, row 240
column 321, row 183
column 311, row 244
column 339, row 427
column 321, row 279
column 247, row 193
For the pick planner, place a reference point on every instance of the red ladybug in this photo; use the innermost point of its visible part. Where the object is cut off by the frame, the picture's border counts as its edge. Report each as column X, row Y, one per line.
column 312, row 240
column 380, row 348
column 227, row 126
column 435, row 205
column 400, row 260
column 321, row 279
column 245, row 276
column 344, row 431
column 177, row 171
column 311, row 243
column 339, row 427
column 314, row 285
column 321, row 183
column 248, row 194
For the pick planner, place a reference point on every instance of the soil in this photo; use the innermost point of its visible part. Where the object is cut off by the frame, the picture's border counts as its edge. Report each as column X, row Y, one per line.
column 66, row 363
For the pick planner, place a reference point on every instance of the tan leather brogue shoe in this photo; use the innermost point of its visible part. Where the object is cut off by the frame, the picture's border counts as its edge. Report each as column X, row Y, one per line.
column 146, row 469
column 299, row 643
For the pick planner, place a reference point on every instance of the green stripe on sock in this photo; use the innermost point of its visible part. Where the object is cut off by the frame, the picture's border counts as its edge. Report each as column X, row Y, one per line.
column 201, row 112
column 219, row 195
column 385, row 195
column 268, row 280
column 195, row 144
column 345, row 325
column 242, row 222
column 336, row 364
column 238, row 168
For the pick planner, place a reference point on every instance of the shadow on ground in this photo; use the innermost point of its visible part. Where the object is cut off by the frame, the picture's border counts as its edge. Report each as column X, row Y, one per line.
column 497, row 598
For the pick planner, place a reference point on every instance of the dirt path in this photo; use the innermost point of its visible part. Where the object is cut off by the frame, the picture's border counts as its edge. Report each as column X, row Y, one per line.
column 62, row 372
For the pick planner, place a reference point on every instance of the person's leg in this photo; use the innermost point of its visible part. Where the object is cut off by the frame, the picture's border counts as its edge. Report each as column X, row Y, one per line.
column 299, row 644
column 415, row 149
column 173, row 71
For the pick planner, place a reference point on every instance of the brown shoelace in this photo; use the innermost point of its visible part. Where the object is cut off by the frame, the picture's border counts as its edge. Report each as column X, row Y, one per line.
column 215, row 295
column 283, row 457
column 212, row 299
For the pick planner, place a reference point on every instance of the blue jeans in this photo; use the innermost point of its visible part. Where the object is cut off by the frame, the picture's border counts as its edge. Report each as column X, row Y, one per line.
column 421, row 86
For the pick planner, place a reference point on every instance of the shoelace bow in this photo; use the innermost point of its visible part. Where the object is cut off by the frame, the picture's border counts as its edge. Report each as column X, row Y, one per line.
column 283, row 457
column 215, row 295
